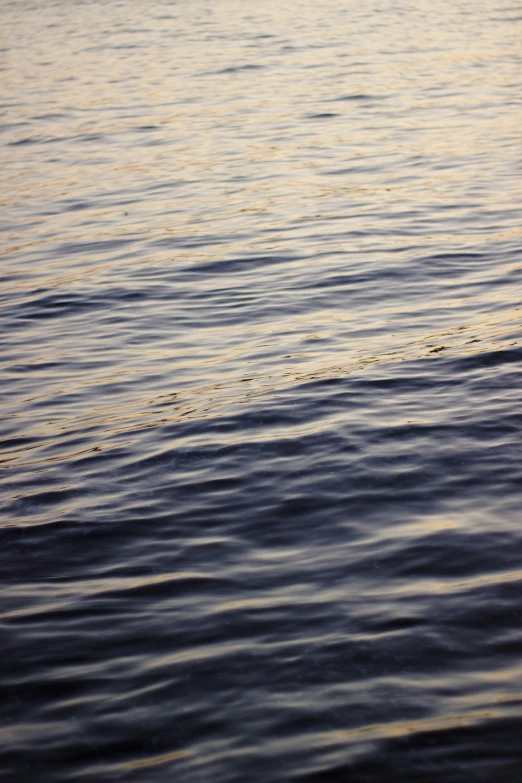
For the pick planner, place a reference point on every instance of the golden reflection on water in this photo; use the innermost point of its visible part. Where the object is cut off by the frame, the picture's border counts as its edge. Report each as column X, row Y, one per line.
column 130, row 413
column 154, row 761
column 402, row 728
column 238, row 105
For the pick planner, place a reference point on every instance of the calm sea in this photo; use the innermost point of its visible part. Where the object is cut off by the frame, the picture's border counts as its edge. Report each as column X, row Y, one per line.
column 261, row 310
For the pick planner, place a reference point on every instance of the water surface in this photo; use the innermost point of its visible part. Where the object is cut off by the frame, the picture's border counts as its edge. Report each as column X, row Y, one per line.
column 261, row 308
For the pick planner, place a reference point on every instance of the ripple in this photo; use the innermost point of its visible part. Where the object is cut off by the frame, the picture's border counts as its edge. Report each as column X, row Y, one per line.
column 261, row 432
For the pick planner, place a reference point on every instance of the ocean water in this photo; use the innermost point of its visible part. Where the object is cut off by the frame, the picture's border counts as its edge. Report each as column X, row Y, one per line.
column 261, row 310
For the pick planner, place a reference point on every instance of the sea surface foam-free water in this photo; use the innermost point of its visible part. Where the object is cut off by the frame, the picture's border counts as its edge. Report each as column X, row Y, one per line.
column 261, row 375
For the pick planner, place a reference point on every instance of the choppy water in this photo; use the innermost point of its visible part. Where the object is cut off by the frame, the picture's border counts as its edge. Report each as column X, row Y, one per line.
column 261, row 370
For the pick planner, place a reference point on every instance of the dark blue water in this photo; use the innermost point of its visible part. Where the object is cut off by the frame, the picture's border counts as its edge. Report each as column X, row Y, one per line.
column 261, row 370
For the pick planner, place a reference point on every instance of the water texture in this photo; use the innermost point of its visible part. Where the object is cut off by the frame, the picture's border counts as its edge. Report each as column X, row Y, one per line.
column 260, row 370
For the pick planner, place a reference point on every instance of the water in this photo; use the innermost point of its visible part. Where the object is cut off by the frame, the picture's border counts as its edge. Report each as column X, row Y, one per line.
column 261, row 310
